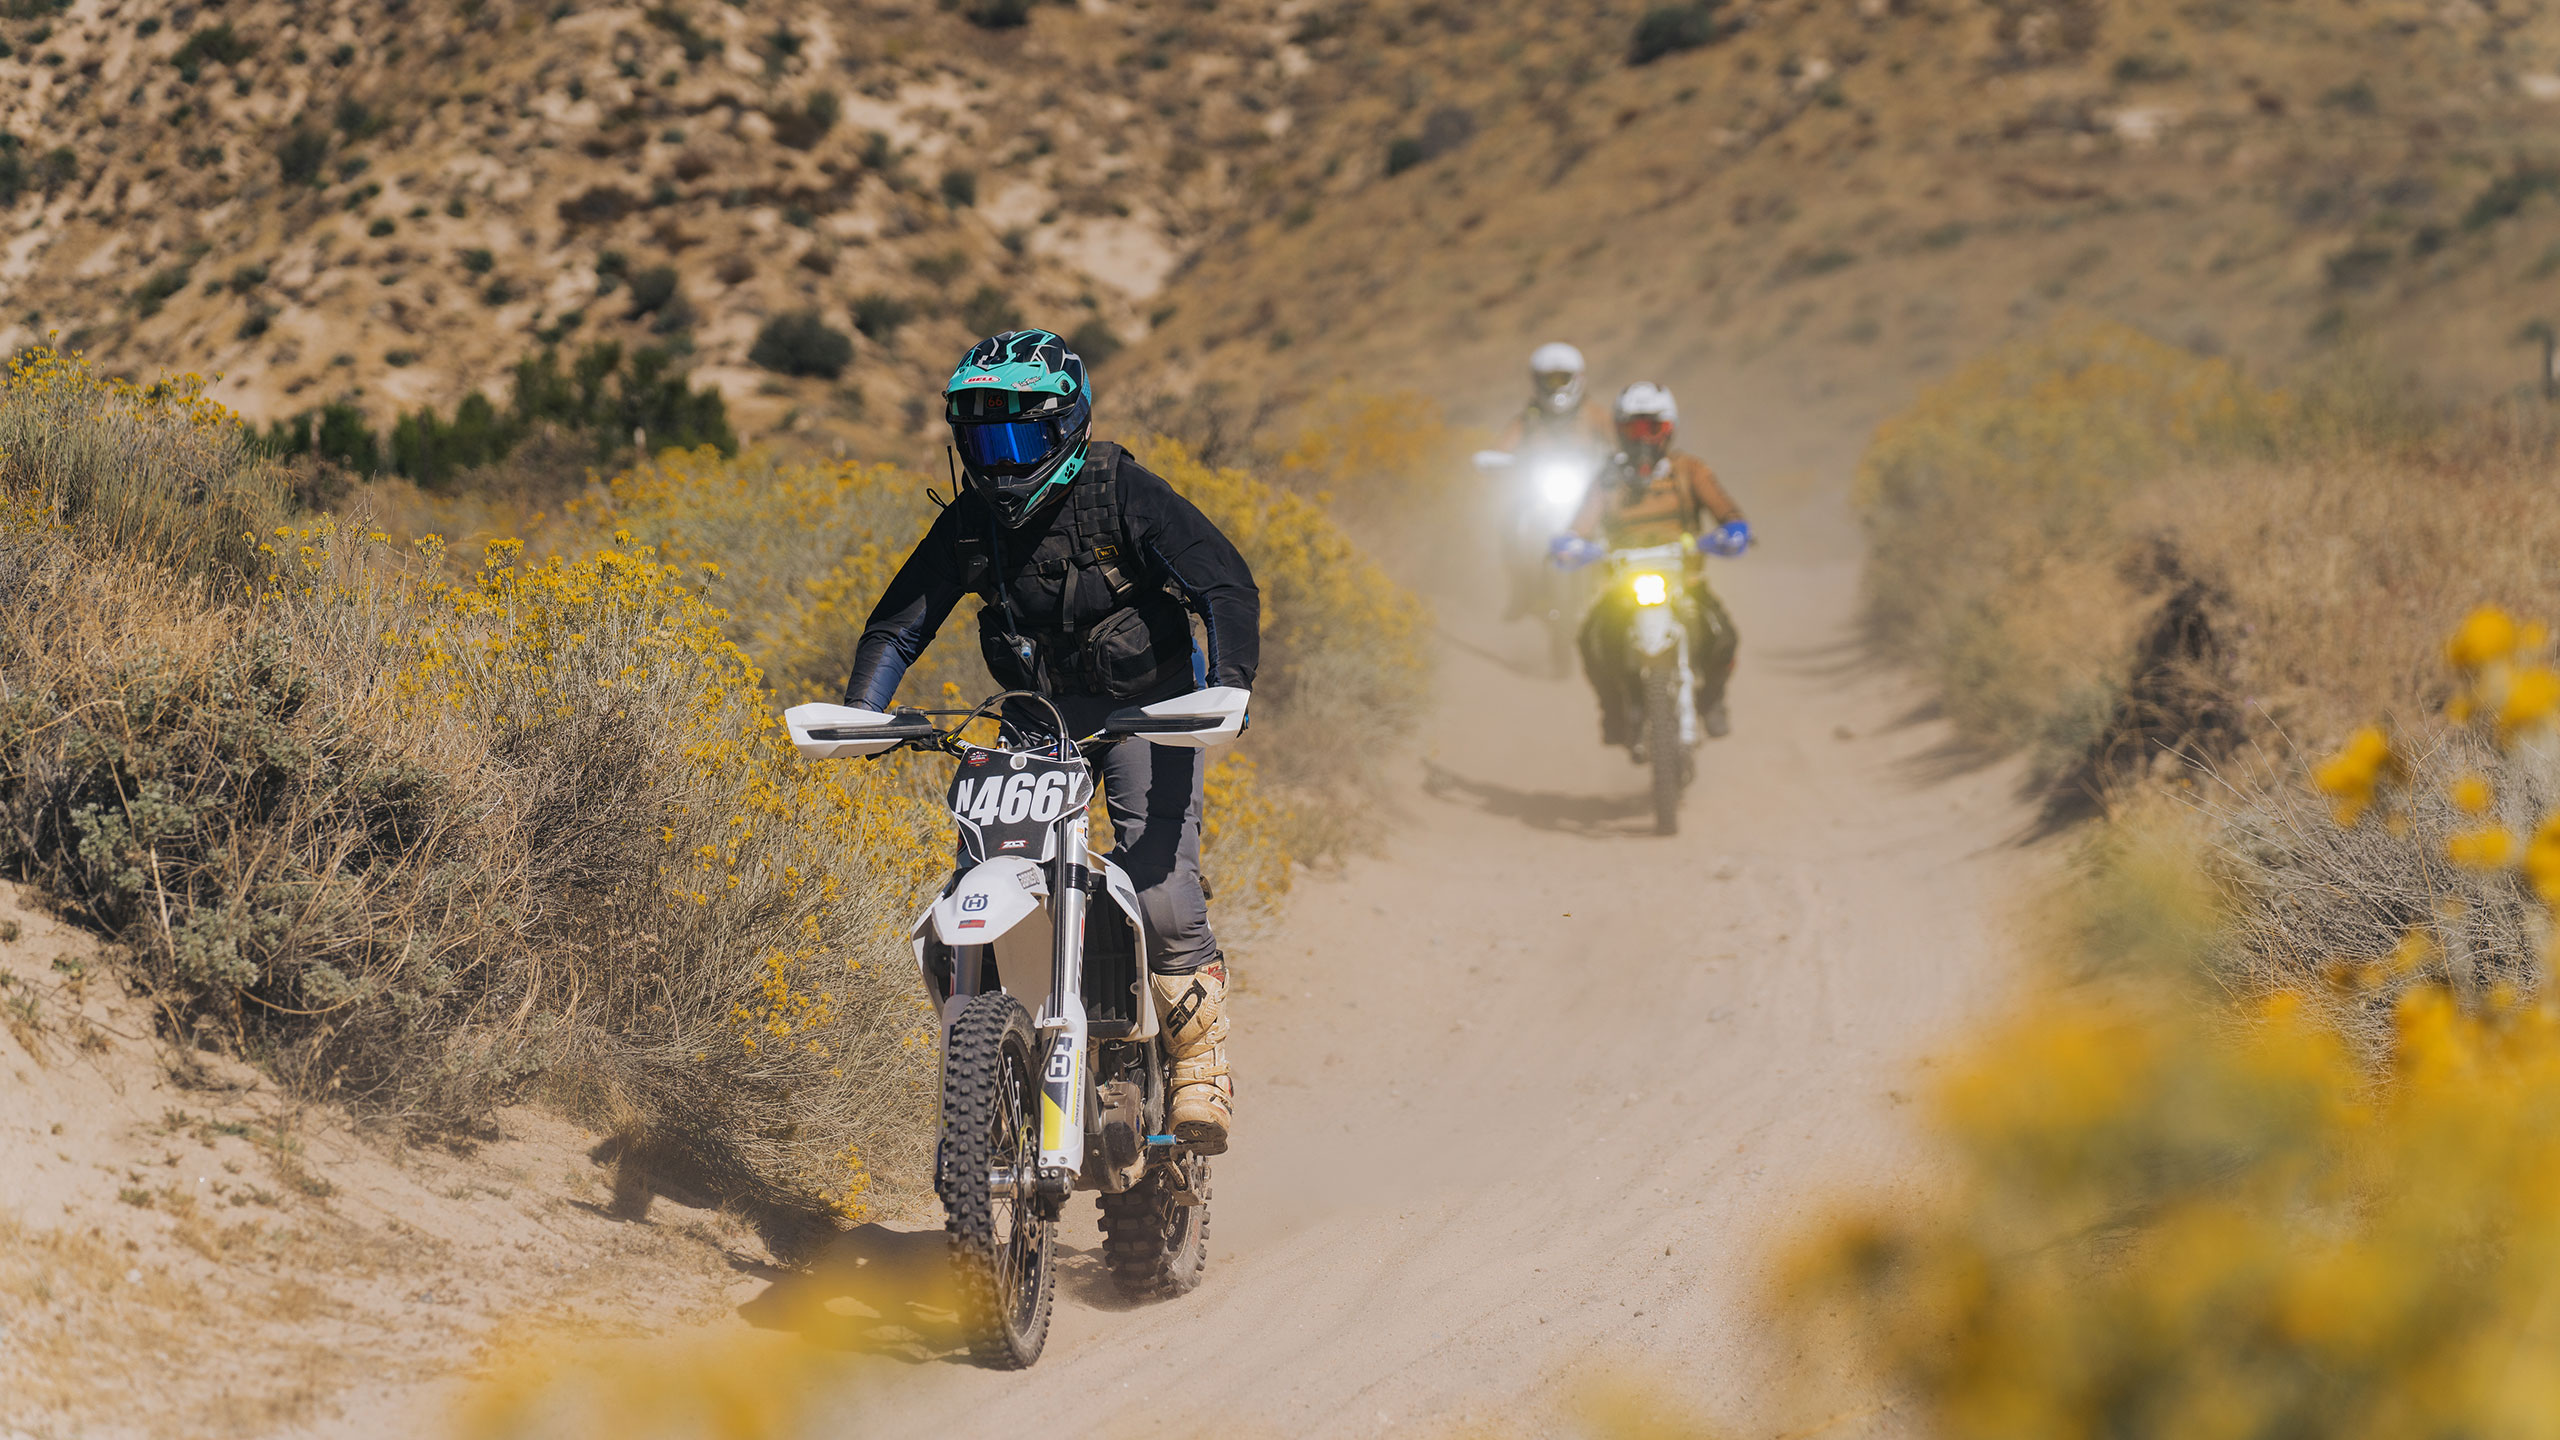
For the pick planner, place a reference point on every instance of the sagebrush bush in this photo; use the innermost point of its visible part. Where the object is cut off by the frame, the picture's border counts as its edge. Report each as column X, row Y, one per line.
column 1671, row 29
column 801, row 343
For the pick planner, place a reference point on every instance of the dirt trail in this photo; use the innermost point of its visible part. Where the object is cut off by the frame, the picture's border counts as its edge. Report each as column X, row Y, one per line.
column 1533, row 1091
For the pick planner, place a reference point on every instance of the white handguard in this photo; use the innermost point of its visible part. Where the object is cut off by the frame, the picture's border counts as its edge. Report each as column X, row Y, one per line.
column 1224, row 705
column 834, row 732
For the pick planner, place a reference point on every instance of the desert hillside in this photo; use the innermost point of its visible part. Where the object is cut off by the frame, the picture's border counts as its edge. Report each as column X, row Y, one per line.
column 394, row 204
column 1830, row 203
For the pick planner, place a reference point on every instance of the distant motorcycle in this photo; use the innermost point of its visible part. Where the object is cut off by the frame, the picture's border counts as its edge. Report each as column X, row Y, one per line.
column 1037, row 1106
column 1543, row 488
column 1645, row 591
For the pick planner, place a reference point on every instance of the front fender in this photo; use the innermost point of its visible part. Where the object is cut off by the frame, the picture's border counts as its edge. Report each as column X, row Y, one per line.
column 991, row 899
column 1656, row 630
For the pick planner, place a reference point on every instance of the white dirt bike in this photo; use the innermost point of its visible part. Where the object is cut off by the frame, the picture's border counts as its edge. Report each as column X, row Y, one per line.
column 1054, row 1074
column 1545, row 485
column 1653, row 586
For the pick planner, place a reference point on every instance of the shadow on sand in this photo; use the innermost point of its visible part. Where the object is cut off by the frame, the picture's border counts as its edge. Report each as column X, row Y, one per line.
column 1630, row 814
column 1526, row 670
column 878, row 1291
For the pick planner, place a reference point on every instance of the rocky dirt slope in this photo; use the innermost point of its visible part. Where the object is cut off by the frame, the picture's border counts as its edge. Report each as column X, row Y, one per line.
column 326, row 199
column 393, row 202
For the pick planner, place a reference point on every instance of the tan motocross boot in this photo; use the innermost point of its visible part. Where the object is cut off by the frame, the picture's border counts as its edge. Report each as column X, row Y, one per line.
column 1193, row 1009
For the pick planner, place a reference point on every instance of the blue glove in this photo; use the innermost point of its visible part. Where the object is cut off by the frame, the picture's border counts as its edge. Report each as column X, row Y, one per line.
column 1572, row 552
column 1727, row 540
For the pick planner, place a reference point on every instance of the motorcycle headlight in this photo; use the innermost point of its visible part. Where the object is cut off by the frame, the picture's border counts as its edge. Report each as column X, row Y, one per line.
column 1652, row 589
column 1559, row 485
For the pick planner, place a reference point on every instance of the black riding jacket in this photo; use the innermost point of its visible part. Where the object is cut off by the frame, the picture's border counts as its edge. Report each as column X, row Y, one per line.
column 1101, row 582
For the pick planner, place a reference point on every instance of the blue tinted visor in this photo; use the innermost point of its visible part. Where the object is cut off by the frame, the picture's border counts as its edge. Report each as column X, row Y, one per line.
column 1005, row 444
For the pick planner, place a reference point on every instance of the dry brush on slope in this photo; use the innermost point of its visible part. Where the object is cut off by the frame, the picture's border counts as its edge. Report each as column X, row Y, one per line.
column 423, row 836
column 423, row 846
column 2107, row 550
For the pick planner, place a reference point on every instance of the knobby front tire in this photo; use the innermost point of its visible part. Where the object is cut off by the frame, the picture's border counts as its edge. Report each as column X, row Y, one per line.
column 1001, row 1249
column 1662, row 741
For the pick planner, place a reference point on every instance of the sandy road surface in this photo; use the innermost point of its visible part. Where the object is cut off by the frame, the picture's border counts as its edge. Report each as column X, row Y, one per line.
column 1533, row 1091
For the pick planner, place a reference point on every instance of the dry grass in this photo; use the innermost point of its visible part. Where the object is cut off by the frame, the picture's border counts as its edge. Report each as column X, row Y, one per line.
column 2035, row 520
column 1999, row 558
column 2339, row 563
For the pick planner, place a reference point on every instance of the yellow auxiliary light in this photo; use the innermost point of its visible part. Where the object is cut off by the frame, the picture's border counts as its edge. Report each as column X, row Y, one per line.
column 1652, row 590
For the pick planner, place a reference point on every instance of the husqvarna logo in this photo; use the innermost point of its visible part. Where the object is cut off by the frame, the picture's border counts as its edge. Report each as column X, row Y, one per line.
column 972, row 904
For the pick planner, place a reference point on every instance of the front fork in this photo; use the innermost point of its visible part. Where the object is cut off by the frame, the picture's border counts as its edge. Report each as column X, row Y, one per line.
column 1063, row 1082
column 1662, row 640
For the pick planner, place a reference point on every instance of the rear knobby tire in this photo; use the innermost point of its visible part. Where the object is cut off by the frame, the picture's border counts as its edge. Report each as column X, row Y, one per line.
column 1155, row 1246
column 1000, row 1245
column 1662, row 741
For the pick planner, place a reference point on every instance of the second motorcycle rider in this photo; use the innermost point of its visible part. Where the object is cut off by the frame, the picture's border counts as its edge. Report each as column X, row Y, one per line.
column 1652, row 494
column 1090, row 567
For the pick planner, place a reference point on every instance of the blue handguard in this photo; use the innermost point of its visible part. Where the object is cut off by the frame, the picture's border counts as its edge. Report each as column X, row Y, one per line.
column 1572, row 552
column 1727, row 540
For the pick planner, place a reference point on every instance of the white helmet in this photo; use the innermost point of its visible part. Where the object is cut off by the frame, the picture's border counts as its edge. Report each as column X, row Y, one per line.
column 1646, row 416
column 1646, row 398
column 1555, row 368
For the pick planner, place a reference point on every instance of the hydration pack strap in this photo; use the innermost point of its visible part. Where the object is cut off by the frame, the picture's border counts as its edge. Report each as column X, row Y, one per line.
column 1094, row 528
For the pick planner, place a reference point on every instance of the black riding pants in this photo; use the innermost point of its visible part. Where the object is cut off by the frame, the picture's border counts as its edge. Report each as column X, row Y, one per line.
column 1153, row 793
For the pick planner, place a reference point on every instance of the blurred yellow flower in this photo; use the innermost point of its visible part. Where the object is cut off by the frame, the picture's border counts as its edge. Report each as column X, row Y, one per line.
column 2488, row 634
column 2471, row 795
column 2488, row 848
column 2542, row 861
column 2533, row 694
column 2356, row 773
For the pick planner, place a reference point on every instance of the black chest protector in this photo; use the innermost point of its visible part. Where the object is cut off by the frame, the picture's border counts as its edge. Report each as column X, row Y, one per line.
column 1071, row 607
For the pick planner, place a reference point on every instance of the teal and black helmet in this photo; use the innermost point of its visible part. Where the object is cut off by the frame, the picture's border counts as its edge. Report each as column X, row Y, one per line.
column 1021, row 415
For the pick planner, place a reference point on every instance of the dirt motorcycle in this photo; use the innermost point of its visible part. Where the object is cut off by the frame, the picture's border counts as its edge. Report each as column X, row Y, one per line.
column 1054, row 1073
column 1650, row 589
column 1543, row 488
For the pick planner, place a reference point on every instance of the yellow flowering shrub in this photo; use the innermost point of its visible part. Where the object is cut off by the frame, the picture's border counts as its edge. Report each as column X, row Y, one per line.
column 798, row 554
column 1345, row 670
column 158, row 471
column 2171, row 1220
column 426, row 835
column 424, row 842
column 755, row 989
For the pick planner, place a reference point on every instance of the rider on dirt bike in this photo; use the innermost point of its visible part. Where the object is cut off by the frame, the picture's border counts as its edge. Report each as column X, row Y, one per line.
column 1090, row 567
column 1556, row 410
column 1651, row 494
column 1557, row 422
